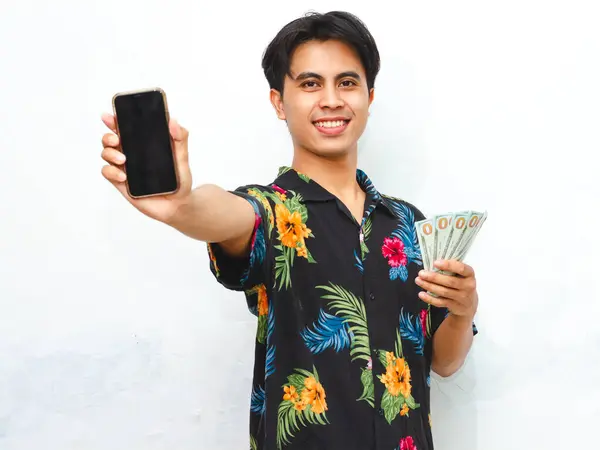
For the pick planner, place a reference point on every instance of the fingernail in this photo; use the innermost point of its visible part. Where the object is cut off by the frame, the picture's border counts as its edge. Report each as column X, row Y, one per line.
column 122, row 176
column 121, row 158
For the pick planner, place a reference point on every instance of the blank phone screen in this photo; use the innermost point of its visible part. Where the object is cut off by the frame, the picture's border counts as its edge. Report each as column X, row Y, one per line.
column 146, row 143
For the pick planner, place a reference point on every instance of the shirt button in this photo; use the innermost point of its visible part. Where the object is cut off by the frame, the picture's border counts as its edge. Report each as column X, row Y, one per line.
column 372, row 296
column 381, row 412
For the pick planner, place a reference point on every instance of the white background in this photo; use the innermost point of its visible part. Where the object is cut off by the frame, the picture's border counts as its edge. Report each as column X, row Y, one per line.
column 113, row 333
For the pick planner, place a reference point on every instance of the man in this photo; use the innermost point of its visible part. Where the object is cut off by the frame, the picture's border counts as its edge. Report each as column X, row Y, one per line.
column 346, row 333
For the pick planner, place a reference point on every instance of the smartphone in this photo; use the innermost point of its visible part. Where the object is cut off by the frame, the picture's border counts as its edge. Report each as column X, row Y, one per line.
column 142, row 120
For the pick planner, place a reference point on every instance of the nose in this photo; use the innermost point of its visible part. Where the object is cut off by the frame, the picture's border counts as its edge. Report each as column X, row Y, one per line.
column 331, row 98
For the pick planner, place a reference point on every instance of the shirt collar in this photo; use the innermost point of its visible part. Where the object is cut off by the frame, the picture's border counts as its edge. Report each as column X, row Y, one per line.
column 292, row 180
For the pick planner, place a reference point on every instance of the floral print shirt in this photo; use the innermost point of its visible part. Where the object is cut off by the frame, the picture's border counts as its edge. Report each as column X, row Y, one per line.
column 343, row 342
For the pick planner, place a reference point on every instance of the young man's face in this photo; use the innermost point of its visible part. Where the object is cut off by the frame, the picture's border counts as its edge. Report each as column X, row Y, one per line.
column 326, row 100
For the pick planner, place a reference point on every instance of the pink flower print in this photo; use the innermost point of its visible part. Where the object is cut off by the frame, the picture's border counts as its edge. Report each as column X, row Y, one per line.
column 423, row 316
column 407, row 443
column 393, row 250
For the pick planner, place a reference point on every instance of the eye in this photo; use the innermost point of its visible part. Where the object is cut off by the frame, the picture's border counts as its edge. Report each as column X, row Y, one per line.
column 348, row 83
column 309, row 84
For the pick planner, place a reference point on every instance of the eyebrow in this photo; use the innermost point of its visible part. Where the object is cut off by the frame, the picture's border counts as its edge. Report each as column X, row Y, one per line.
column 307, row 75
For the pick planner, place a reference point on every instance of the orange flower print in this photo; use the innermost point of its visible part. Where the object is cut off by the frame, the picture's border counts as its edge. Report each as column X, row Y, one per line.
column 404, row 410
column 263, row 302
column 281, row 196
column 314, row 395
column 303, row 405
column 397, row 377
column 213, row 260
column 291, row 229
column 302, row 251
column 290, row 393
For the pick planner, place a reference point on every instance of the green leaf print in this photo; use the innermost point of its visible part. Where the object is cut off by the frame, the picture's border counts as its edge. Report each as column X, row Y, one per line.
column 283, row 169
column 366, row 231
column 391, row 406
column 368, row 395
column 428, row 321
column 283, row 266
column 303, row 404
column 382, row 357
column 304, row 177
column 399, row 344
column 261, row 332
column 352, row 310
column 253, row 443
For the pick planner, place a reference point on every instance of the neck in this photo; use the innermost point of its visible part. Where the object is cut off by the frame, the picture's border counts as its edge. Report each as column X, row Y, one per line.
column 337, row 176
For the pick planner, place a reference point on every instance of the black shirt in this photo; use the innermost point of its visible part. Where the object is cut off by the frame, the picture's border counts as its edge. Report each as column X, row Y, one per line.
column 343, row 342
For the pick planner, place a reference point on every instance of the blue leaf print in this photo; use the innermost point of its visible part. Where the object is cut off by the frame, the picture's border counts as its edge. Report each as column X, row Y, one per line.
column 259, row 248
column 257, row 400
column 365, row 182
column 399, row 272
column 412, row 330
column 270, row 360
column 270, row 364
column 329, row 332
column 359, row 263
column 407, row 232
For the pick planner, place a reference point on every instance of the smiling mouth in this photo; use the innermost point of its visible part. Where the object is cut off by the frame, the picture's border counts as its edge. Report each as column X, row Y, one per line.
column 331, row 127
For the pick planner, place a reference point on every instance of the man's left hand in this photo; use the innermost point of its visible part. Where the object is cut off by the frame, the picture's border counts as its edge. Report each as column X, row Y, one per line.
column 457, row 293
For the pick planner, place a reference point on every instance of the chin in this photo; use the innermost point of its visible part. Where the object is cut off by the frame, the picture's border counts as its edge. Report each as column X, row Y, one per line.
column 332, row 152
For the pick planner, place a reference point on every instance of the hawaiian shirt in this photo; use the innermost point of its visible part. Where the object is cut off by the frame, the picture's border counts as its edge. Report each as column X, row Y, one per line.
column 343, row 342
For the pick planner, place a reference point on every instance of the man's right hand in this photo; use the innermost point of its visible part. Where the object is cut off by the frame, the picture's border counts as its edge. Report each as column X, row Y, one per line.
column 207, row 213
column 161, row 208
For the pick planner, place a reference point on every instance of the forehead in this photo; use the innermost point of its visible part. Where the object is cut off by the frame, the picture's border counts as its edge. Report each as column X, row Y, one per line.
column 327, row 58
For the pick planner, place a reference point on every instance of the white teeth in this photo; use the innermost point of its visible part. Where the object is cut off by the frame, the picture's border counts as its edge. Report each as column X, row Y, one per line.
column 330, row 124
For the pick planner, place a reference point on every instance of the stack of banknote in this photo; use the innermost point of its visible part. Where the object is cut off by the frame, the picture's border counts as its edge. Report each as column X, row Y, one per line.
column 448, row 236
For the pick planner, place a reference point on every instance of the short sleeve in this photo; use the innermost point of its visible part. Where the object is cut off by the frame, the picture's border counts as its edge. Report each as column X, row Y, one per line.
column 243, row 274
column 438, row 315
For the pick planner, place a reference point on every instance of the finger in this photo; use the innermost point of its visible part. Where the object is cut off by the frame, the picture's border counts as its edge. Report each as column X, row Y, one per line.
column 440, row 302
column 110, row 140
column 178, row 133
column 113, row 156
column 455, row 266
column 114, row 174
column 438, row 290
column 180, row 140
column 441, row 279
column 109, row 121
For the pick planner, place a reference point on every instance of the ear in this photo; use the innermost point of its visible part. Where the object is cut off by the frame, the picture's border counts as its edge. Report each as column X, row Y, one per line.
column 277, row 102
column 371, row 96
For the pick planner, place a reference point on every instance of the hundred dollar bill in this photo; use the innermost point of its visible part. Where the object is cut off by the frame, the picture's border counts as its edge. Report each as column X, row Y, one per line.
column 465, row 249
column 458, row 229
column 469, row 233
column 442, row 232
column 425, row 238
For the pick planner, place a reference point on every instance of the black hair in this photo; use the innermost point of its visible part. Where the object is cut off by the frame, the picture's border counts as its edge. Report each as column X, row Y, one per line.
column 338, row 25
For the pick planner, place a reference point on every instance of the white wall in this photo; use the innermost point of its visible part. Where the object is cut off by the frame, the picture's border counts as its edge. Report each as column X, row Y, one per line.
column 113, row 333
